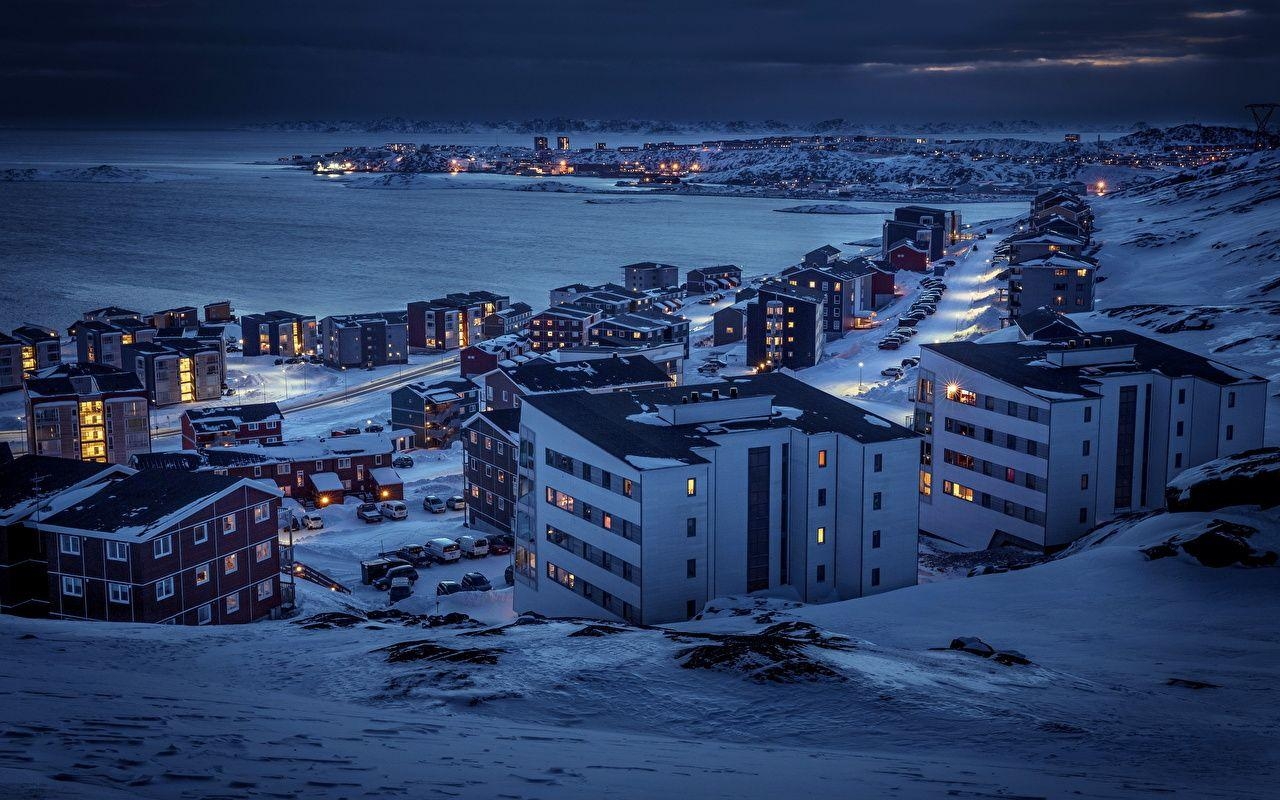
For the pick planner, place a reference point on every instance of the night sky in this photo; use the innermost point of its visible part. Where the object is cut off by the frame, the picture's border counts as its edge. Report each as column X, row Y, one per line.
column 224, row 61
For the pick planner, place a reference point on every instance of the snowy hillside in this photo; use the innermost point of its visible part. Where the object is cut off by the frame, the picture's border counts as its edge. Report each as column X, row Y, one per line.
column 1195, row 257
column 754, row 700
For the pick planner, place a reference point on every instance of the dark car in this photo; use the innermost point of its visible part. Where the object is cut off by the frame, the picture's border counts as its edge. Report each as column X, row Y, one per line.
column 373, row 428
column 509, row 575
column 415, row 554
column 351, row 431
column 498, row 548
column 448, row 587
column 402, row 571
column 294, row 360
column 502, row 538
column 279, row 362
column 475, row 582
column 402, row 462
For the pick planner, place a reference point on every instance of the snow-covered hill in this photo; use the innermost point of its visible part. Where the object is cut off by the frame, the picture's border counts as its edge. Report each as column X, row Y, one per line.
column 1195, row 258
column 1122, row 670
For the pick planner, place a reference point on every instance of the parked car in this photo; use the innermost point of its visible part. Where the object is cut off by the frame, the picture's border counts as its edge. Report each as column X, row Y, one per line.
column 906, row 331
column 475, row 582
column 473, row 546
column 234, row 348
column 315, row 359
column 368, row 512
column 398, row 571
column 401, row 588
column 456, row 503
column 498, row 548
column 375, row 428
column 443, row 550
column 928, row 308
column 293, row 360
column 909, row 362
column 279, row 362
column 890, row 344
column 502, row 538
column 892, row 372
column 402, row 462
column 393, row 509
column 433, row 504
column 415, row 554
column 351, row 431
column 376, row 568
column 312, row 521
column 447, row 587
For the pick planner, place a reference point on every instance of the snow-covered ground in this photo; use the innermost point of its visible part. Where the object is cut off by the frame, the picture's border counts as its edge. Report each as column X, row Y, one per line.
column 845, row 694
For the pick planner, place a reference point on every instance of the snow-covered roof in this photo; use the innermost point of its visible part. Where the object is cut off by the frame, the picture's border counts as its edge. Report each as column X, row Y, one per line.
column 385, row 476
column 326, row 481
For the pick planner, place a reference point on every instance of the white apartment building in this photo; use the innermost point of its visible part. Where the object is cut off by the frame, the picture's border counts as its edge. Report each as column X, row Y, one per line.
column 644, row 505
column 1034, row 443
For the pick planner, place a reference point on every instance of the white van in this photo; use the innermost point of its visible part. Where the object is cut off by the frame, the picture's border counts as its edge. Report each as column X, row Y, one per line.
column 312, row 521
column 443, row 550
column 473, row 546
column 393, row 509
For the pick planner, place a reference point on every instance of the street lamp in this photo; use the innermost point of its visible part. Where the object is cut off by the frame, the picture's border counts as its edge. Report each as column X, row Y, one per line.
column 859, row 377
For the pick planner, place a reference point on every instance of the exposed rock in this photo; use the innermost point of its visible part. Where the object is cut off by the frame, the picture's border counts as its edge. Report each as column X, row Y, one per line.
column 972, row 644
column 1248, row 478
column 1188, row 683
column 329, row 620
column 1010, row 658
column 427, row 650
column 1219, row 544
column 782, row 653
column 598, row 630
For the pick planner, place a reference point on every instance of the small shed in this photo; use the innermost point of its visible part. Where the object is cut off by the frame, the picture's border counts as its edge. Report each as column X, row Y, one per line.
column 327, row 488
column 386, row 483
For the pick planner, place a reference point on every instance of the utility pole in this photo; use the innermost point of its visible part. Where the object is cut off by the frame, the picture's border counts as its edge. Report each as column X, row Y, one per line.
column 1262, row 113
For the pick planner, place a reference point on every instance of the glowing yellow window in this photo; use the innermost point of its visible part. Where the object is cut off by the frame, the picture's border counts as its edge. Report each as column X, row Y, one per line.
column 691, row 487
column 822, row 535
column 822, row 458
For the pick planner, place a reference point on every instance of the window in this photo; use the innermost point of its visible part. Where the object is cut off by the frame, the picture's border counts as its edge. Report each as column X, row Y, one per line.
column 265, row 589
column 626, row 486
column 229, row 524
column 117, row 551
column 262, row 551
column 230, row 564
column 586, row 471
column 691, row 485
column 69, row 544
column 72, row 587
column 344, row 463
column 162, row 547
column 690, row 608
column 822, row 573
column 690, row 527
column 1084, row 515
column 282, row 469
column 202, row 574
column 822, row 459
column 1179, row 428
column 1088, row 413
column 1084, row 481
column 877, row 501
column 233, row 603
column 118, row 593
column 691, row 568
column 164, row 588
column 1231, row 399
column 1231, row 432
column 1177, row 460
column 822, row 497
column 822, row 535
column 1084, row 447
column 875, row 540
column 878, row 462
column 956, row 490
column 262, row 512
column 204, row 614
column 1182, row 397
column 875, row 576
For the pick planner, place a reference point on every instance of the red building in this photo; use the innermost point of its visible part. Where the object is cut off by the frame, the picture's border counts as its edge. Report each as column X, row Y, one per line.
column 908, row 255
column 567, row 325
column 163, row 546
column 224, row 426
column 485, row 356
column 321, row 471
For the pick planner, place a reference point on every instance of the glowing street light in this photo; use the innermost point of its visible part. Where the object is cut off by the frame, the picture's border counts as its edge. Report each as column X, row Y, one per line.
column 859, row 377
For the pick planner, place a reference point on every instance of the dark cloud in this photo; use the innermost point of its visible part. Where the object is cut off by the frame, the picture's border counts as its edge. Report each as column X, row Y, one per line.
column 228, row 61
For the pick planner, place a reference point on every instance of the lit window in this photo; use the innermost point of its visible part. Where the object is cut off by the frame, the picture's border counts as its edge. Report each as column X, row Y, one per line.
column 233, row 603
column 262, row 551
column 202, row 574
column 229, row 523
column 262, row 512
column 691, row 487
column 822, row 535
column 230, row 564
column 265, row 589
column 822, row 458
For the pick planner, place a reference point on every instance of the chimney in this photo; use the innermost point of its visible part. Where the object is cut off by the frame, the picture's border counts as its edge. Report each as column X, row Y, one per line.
column 715, row 394
column 733, row 391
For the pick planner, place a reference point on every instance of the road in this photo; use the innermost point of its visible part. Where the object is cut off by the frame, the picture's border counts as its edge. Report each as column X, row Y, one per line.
column 17, row 437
